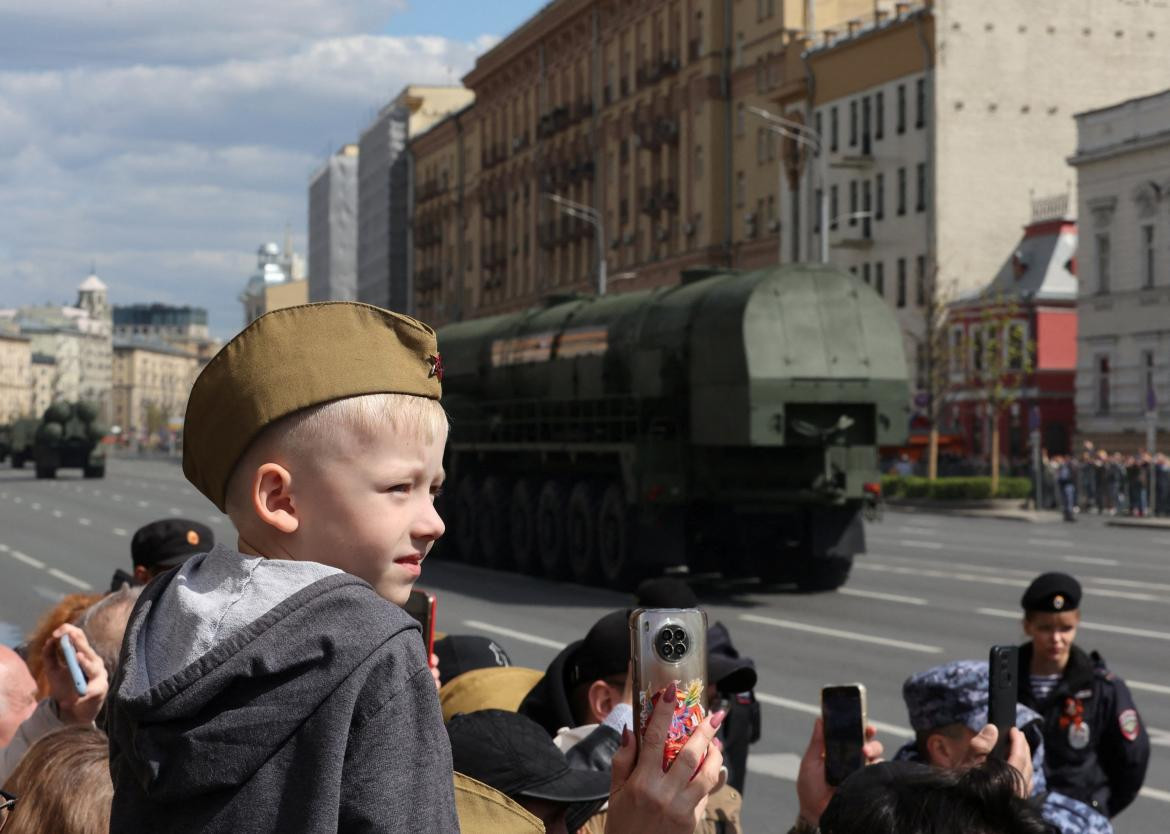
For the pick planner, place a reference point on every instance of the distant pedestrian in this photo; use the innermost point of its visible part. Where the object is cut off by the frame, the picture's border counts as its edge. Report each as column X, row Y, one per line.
column 1066, row 481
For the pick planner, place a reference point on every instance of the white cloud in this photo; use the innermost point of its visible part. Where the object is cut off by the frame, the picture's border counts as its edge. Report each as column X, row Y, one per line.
column 169, row 173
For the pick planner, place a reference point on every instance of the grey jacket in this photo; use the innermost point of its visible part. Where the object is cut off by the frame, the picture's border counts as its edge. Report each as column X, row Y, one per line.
column 318, row 714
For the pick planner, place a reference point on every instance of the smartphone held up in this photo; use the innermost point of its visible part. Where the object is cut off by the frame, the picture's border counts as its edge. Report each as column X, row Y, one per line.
column 421, row 606
column 69, row 653
column 1003, row 690
column 669, row 646
column 843, row 712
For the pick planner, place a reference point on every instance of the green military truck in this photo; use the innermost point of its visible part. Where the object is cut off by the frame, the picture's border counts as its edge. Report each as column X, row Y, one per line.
column 726, row 424
column 20, row 440
column 68, row 435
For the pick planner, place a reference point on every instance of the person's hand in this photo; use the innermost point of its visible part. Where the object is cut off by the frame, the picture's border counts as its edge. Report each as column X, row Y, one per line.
column 435, row 670
column 812, row 791
column 1019, row 754
column 646, row 800
column 71, row 707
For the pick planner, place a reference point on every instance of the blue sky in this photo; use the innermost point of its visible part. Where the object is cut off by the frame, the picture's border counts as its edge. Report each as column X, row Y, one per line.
column 165, row 140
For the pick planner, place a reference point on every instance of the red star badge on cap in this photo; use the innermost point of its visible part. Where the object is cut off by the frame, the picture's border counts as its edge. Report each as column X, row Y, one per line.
column 436, row 366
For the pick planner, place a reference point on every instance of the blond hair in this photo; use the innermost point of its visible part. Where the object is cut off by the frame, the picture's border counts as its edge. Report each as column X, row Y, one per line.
column 63, row 784
column 315, row 431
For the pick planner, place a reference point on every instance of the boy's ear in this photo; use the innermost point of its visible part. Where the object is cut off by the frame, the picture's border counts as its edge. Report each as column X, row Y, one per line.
column 272, row 498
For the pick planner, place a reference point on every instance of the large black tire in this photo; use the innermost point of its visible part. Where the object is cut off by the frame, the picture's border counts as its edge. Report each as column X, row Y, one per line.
column 466, row 522
column 551, row 530
column 826, row 573
column 522, row 528
column 18, row 460
column 583, row 517
column 491, row 514
column 616, row 560
column 46, row 471
column 93, row 471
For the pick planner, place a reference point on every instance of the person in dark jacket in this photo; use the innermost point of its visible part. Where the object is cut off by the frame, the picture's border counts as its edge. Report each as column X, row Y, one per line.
column 1097, row 746
column 278, row 685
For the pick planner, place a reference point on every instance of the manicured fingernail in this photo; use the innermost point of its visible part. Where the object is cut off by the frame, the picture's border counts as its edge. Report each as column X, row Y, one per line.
column 670, row 693
column 625, row 736
column 717, row 719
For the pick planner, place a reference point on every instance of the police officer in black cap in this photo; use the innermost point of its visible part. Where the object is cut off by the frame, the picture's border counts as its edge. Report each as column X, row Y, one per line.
column 1097, row 746
column 161, row 545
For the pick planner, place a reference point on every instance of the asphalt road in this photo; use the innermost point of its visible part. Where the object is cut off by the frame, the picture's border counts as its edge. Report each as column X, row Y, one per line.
column 931, row 589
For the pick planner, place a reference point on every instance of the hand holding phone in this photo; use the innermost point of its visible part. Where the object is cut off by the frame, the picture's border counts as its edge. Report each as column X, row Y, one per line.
column 70, row 654
column 1003, row 691
column 843, row 711
column 668, row 646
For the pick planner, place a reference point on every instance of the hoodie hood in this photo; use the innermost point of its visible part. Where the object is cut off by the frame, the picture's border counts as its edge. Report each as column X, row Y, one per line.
column 201, row 702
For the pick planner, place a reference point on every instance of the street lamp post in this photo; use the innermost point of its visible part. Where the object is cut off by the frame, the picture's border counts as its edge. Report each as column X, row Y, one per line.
column 591, row 216
column 804, row 135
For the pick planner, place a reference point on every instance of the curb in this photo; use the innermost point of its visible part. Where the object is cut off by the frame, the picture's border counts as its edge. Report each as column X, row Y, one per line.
column 1149, row 523
column 971, row 512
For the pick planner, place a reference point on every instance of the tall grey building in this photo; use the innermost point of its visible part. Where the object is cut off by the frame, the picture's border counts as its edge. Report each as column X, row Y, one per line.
column 383, row 211
column 333, row 228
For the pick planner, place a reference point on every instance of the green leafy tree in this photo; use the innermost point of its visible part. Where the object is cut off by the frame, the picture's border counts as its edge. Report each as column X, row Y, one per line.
column 1005, row 358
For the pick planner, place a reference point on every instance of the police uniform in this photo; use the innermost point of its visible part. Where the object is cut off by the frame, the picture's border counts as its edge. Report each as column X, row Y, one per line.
column 956, row 693
column 1097, row 746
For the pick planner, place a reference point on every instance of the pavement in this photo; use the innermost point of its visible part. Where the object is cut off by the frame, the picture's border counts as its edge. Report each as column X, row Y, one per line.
column 932, row 588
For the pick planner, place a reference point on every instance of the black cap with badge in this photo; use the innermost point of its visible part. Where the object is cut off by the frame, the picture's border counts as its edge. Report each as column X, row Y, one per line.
column 169, row 542
column 1052, row 592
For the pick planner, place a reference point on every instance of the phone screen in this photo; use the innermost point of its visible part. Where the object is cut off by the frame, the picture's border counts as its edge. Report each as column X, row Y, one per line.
column 421, row 606
column 843, row 710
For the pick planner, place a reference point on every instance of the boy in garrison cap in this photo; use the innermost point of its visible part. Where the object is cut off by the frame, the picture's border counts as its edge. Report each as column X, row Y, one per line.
column 948, row 709
column 274, row 686
column 1098, row 748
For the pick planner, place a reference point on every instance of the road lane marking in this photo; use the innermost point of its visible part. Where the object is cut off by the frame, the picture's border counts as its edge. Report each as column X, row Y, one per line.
column 920, row 544
column 34, row 506
column 857, row 592
column 774, row 765
column 992, row 576
column 1154, row 793
column 1158, row 688
column 1158, row 738
column 844, row 635
column 515, row 635
column 917, row 531
column 815, row 709
column 97, row 492
column 118, row 531
column 1115, row 629
column 57, row 513
column 117, row 497
column 4, row 548
column 175, row 511
column 84, row 522
column 28, row 560
column 69, row 579
column 144, row 503
column 1090, row 560
column 940, row 574
column 1051, row 543
column 17, row 499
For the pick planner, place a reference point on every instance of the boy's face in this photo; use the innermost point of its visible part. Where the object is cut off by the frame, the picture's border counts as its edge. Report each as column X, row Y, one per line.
column 369, row 509
column 1052, row 634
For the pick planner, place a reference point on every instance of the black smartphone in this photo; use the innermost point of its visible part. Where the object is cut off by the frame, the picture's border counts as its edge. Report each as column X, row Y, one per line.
column 421, row 606
column 843, row 711
column 1003, row 691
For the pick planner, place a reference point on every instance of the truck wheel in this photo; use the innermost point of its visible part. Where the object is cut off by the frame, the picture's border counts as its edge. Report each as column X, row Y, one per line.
column 466, row 532
column 93, row 471
column 827, row 573
column 551, row 535
column 46, row 471
column 582, row 534
column 522, row 528
column 17, row 461
column 614, row 540
column 493, row 523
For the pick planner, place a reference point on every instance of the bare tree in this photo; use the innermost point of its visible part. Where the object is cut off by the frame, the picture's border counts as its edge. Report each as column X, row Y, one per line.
column 937, row 372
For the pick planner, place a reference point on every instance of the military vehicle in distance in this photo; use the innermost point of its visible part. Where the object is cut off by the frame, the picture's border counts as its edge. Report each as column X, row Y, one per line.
column 728, row 424
column 20, row 440
column 69, row 435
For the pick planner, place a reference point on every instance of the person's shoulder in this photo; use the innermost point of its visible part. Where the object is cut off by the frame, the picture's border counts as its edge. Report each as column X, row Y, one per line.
column 1073, row 816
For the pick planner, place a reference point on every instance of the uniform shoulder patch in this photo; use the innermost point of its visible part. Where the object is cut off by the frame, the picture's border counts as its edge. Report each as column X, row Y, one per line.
column 1129, row 724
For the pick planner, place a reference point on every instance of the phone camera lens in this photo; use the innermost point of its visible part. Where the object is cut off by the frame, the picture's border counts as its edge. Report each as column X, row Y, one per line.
column 680, row 635
column 668, row 650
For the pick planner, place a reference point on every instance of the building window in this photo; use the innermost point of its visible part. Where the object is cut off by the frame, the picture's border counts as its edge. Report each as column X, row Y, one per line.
column 977, row 355
column 901, row 123
column 740, row 189
column 879, row 278
column 853, row 123
column 920, row 280
column 1149, row 397
column 879, row 115
column 740, row 120
column 852, row 202
column 1148, row 259
column 833, row 206
column 739, row 49
column 920, row 173
column 866, row 148
column 901, row 191
column 956, row 353
column 1103, row 385
column 820, row 195
column 698, row 161
column 879, row 208
column 865, row 273
column 761, row 145
column 920, row 94
column 833, row 129
column 820, row 132
column 1016, row 346
column 1103, row 263
column 866, row 210
column 901, row 301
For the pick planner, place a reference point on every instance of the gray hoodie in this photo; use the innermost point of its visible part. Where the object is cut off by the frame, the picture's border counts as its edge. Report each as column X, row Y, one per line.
column 257, row 695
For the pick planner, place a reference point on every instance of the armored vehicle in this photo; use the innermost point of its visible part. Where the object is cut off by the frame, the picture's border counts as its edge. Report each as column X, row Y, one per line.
column 726, row 424
column 69, row 435
column 20, row 440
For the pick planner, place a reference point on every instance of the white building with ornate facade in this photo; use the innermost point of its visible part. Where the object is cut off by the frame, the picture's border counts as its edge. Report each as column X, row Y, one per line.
column 1122, row 162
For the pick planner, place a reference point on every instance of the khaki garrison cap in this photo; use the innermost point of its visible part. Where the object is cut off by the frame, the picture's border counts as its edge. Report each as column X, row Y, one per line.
column 292, row 359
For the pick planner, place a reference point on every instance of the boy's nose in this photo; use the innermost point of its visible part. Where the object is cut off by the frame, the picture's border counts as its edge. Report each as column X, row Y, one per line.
column 428, row 525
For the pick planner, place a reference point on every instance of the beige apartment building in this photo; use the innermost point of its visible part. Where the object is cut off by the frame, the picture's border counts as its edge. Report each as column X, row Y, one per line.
column 15, row 377
column 635, row 110
column 151, row 383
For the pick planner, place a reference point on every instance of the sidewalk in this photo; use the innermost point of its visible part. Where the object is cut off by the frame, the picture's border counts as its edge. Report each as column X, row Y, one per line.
column 1127, row 521
column 1007, row 511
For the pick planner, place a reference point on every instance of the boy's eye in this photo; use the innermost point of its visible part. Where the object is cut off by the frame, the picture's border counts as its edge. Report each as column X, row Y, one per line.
column 398, row 488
